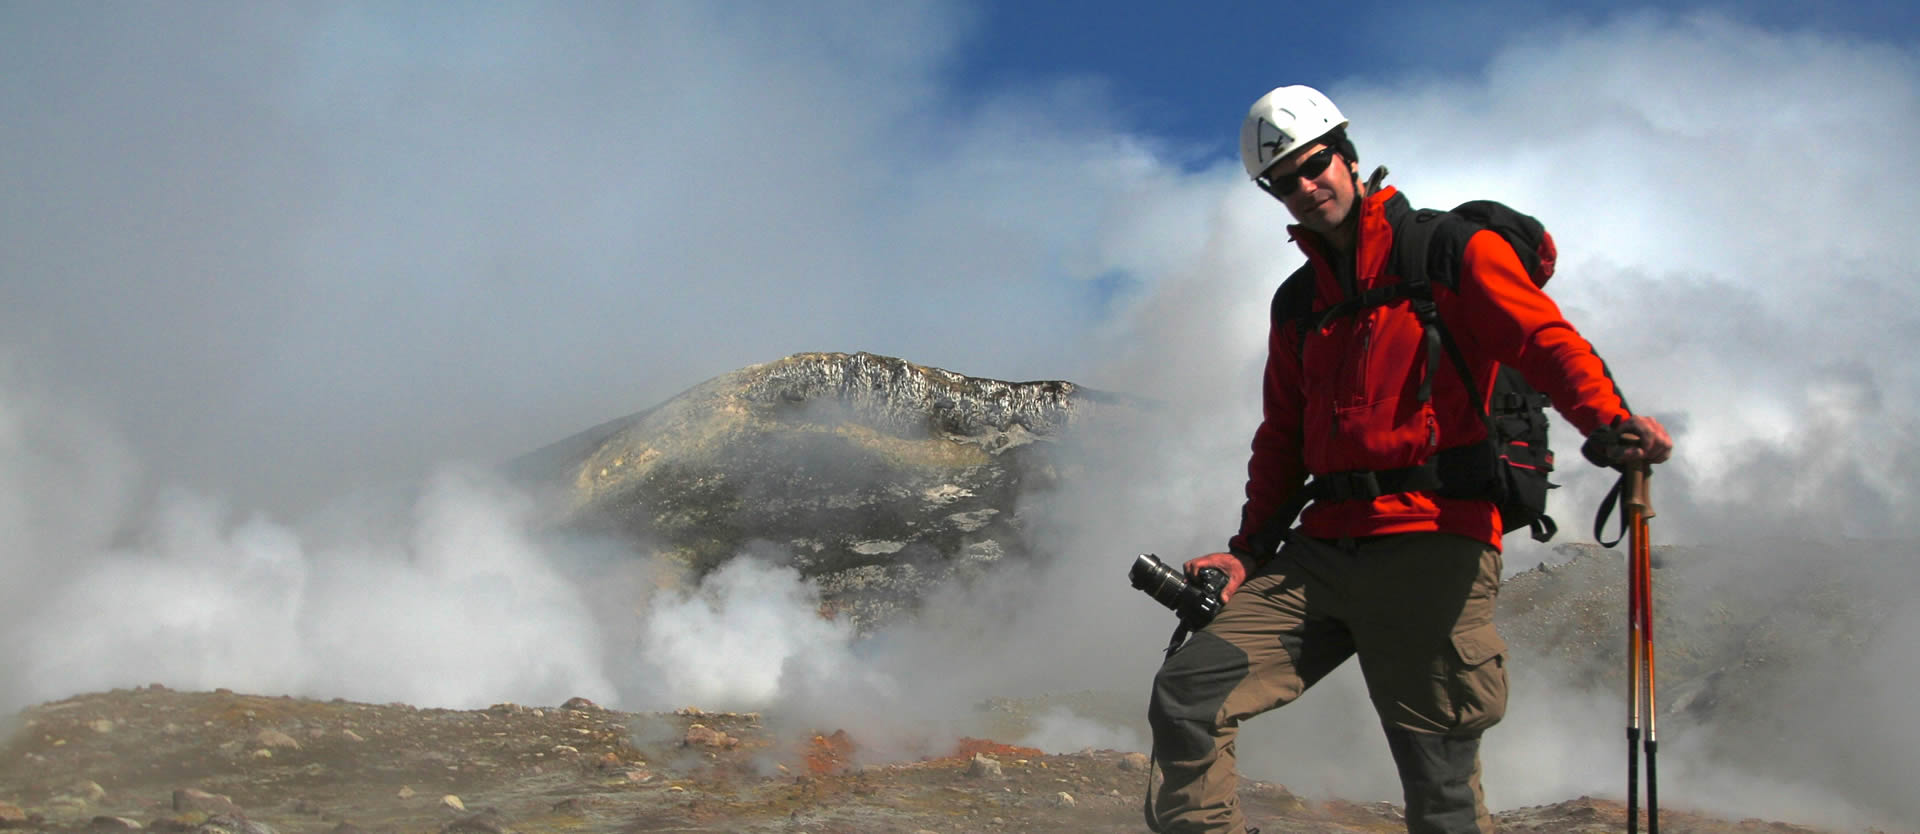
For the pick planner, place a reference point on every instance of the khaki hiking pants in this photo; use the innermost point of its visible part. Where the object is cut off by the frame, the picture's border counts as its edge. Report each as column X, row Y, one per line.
column 1418, row 610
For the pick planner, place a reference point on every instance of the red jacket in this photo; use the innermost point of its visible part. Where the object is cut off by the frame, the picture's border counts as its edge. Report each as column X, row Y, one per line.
column 1350, row 403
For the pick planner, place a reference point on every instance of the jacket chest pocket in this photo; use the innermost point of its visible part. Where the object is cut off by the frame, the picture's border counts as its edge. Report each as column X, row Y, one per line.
column 1362, row 375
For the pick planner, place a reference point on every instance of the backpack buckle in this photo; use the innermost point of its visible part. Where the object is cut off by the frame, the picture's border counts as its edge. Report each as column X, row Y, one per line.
column 1353, row 486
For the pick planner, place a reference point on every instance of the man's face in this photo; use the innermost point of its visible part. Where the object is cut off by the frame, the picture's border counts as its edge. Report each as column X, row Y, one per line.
column 1320, row 201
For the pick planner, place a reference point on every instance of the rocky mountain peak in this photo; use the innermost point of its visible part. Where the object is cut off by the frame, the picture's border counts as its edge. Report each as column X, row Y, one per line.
column 874, row 475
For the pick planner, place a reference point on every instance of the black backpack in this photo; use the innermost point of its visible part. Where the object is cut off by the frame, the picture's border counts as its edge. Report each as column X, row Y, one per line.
column 1512, row 466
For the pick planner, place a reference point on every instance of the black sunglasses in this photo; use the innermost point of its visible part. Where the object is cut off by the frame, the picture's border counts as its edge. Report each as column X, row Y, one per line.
column 1283, row 185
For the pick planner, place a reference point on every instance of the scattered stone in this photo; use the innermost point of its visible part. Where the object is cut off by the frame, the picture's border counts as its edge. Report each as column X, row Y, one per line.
column 451, row 801
column 406, row 792
column 211, row 804
column 608, row 761
column 11, row 816
column 701, row 735
column 1063, row 800
column 90, row 791
column 1134, row 762
column 352, row 736
column 488, row 821
column 984, row 767
column 67, row 805
column 234, row 825
column 275, row 739
column 263, row 753
column 639, row 776
column 100, row 725
column 689, row 712
column 579, row 703
column 114, row 824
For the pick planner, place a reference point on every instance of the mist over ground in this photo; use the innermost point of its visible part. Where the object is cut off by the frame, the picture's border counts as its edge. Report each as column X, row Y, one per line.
column 264, row 257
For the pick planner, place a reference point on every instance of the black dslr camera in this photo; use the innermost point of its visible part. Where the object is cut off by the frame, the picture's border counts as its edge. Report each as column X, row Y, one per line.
column 1194, row 602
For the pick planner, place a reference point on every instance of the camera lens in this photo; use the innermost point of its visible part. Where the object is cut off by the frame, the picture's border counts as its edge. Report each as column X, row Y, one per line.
column 1162, row 583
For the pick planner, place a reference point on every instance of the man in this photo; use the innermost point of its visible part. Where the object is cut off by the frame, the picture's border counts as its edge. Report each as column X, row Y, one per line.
column 1406, row 580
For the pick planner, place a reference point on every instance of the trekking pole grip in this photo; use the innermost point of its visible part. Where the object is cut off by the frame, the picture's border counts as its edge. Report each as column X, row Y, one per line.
column 1638, row 497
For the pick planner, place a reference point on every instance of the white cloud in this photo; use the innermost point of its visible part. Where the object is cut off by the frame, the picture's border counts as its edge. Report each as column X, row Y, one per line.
column 470, row 612
column 1059, row 730
column 751, row 637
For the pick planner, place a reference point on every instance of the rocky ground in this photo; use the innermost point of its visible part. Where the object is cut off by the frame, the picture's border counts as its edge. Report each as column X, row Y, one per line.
column 208, row 762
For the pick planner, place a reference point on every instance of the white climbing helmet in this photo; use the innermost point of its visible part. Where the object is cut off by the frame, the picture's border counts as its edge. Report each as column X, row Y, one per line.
column 1282, row 121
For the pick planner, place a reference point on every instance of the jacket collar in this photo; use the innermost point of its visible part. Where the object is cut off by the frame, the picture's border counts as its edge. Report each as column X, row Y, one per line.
column 1379, row 212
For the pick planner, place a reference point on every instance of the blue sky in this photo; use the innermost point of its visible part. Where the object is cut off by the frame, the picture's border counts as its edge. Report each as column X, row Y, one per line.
column 1188, row 73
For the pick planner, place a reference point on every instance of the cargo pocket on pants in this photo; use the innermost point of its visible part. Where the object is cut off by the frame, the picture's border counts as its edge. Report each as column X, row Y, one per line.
column 1480, row 682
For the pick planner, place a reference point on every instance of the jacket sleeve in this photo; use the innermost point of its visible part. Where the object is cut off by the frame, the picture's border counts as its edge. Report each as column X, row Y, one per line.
column 1515, row 323
column 1277, row 468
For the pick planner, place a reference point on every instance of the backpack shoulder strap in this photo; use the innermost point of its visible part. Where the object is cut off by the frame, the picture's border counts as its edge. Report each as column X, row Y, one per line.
column 1427, row 247
column 1293, row 302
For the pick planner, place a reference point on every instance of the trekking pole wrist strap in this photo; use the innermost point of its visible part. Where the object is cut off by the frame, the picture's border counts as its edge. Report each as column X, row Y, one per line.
column 1604, row 445
column 1606, row 509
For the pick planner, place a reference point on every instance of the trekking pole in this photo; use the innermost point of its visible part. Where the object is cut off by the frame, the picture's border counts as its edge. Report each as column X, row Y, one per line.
column 1633, row 678
column 1630, row 493
column 1639, row 508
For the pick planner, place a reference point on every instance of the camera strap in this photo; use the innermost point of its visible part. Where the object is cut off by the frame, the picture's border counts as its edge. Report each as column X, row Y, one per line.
column 1180, row 633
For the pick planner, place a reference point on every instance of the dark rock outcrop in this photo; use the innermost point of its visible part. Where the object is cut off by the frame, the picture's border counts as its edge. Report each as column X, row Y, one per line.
column 874, row 476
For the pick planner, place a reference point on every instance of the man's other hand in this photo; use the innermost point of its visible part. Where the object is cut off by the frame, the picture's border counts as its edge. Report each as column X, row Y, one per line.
column 1233, row 566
